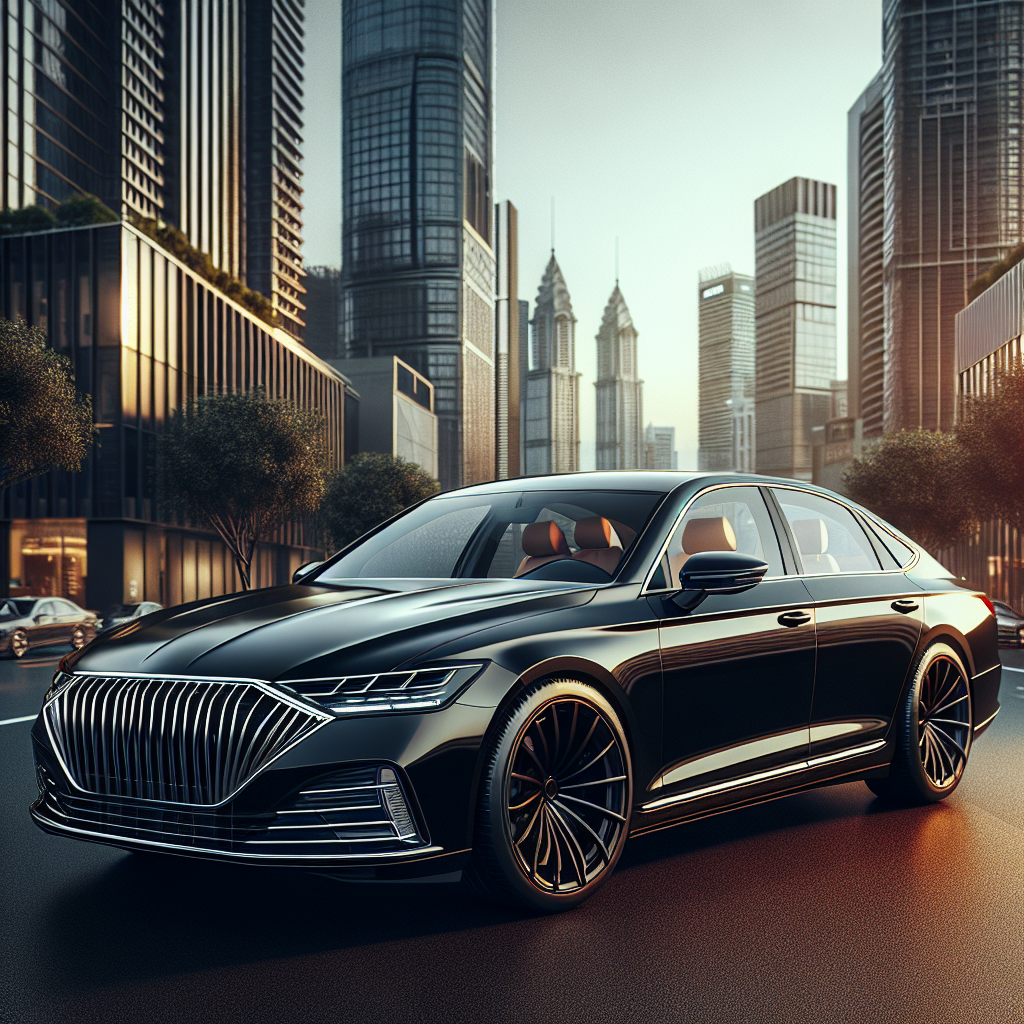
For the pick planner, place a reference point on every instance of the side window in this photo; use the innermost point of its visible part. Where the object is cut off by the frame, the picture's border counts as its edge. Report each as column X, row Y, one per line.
column 828, row 538
column 903, row 553
column 725, row 519
column 46, row 608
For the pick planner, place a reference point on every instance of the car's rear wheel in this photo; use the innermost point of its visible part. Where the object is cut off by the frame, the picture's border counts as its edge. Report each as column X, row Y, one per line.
column 19, row 643
column 934, row 730
column 553, row 812
column 79, row 638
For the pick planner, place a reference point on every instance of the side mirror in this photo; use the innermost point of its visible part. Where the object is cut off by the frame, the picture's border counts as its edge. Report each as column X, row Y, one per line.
column 304, row 570
column 721, row 572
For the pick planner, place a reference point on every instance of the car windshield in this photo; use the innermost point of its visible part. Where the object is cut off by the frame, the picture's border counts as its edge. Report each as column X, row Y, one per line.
column 579, row 536
column 16, row 608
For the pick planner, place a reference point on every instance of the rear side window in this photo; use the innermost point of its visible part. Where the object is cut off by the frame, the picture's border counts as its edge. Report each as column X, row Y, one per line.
column 903, row 553
column 829, row 540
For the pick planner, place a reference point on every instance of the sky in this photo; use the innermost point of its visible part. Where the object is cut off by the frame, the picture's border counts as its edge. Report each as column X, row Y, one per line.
column 657, row 122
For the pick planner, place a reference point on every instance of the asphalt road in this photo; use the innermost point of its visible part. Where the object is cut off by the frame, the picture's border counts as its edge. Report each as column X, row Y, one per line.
column 826, row 906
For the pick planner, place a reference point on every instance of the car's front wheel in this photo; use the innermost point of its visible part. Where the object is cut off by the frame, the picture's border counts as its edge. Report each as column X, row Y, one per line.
column 553, row 812
column 934, row 727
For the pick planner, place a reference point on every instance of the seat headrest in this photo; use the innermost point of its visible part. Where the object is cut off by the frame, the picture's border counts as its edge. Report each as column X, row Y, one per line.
column 596, row 532
column 811, row 536
column 545, row 538
column 715, row 534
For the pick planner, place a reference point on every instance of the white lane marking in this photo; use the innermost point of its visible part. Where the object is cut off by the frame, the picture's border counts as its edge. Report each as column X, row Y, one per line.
column 1010, row 668
column 15, row 721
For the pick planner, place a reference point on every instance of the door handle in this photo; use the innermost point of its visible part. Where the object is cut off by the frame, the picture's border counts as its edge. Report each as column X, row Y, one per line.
column 794, row 618
column 905, row 605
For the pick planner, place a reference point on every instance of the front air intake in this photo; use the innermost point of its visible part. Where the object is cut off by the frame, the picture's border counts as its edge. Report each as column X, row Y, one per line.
column 187, row 741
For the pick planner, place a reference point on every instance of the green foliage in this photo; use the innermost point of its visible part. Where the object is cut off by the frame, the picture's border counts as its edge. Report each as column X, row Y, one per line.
column 991, row 432
column 26, row 220
column 244, row 463
column 373, row 487
column 918, row 481
column 175, row 242
column 44, row 424
column 79, row 210
column 996, row 271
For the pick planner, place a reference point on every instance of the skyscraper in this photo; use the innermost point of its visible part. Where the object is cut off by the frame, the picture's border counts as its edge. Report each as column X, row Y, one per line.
column 184, row 112
column 620, row 443
column 552, row 441
column 952, row 98
column 660, row 444
column 725, row 361
column 506, row 336
column 418, row 262
column 795, row 322
column 865, row 198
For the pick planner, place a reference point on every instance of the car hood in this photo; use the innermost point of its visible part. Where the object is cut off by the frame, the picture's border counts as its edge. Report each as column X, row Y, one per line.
column 303, row 631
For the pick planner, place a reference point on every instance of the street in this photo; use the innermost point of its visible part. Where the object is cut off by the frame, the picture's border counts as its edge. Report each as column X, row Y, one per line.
column 827, row 906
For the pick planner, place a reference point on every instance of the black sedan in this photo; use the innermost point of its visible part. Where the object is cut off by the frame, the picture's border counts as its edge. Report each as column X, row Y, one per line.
column 1011, row 625
column 27, row 622
column 508, row 680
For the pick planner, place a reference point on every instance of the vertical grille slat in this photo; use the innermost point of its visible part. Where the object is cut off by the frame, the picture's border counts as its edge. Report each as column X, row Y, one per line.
column 188, row 741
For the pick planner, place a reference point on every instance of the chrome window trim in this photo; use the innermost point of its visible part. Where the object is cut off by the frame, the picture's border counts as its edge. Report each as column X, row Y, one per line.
column 771, row 773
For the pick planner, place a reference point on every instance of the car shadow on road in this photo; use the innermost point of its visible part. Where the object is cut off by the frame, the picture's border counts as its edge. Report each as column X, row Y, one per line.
column 150, row 916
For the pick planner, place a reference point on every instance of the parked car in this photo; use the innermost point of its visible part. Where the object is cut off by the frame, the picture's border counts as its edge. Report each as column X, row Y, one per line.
column 508, row 680
column 27, row 622
column 1011, row 625
column 122, row 613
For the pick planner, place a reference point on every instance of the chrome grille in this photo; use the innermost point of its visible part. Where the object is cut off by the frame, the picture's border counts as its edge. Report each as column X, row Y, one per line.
column 187, row 741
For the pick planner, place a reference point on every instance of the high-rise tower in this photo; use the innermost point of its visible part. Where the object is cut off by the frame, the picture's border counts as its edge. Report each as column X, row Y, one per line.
column 418, row 262
column 620, row 443
column 725, row 362
column 795, row 322
column 865, row 200
column 552, row 433
column 506, row 335
column 952, row 88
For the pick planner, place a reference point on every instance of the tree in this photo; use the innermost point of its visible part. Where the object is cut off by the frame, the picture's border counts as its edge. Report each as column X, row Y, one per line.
column 44, row 423
column 78, row 210
column 26, row 220
column 991, row 432
column 244, row 463
column 917, row 480
column 371, row 488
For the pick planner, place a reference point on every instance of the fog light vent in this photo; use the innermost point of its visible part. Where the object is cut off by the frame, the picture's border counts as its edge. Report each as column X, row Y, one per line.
column 398, row 809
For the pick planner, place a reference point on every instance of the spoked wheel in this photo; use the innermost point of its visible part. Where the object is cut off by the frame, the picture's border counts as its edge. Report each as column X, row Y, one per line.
column 934, row 733
column 555, row 799
column 19, row 643
column 79, row 638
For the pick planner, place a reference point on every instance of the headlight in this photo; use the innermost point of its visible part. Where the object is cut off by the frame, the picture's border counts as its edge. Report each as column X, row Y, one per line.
column 419, row 690
column 61, row 681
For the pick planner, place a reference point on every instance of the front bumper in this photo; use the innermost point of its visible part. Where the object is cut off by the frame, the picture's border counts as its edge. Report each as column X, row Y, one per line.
column 322, row 804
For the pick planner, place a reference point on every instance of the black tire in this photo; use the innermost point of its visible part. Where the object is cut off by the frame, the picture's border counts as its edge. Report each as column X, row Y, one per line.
column 19, row 643
column 934, row 727
column 538, row 845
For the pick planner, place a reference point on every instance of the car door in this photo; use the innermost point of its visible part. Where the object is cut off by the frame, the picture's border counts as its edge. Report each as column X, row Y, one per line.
column 68, row 616
column 738, row 668
column 869, row 620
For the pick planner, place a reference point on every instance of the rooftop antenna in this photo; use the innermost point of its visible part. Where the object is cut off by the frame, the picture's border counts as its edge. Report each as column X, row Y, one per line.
column 616, row 261
column 552, row 225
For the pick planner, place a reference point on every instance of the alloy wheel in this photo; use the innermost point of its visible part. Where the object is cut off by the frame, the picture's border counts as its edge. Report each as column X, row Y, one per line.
column 943, row 722
column 566, row 795
column 19, row 643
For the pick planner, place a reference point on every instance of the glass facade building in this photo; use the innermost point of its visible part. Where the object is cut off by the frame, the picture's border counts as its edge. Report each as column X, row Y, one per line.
column 620, row 392
column 552, row 402
column 418, row 261
column 952, row 82
column 144, row 334
column 795, row 322
column 506, row 339
column 725, row 364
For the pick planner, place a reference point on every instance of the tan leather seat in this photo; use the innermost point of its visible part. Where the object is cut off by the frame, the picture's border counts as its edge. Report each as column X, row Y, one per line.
column 714, row 534
column 542, row 543
column 812, row 540
column 598, row 543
